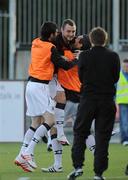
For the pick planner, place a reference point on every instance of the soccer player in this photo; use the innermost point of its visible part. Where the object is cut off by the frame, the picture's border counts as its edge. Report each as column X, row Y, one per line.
column 98, row 70
column 40, row 106
column 63, row 42
column 71, row 84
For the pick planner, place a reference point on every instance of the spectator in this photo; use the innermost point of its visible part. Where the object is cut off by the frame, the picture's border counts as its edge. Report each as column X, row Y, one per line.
column 122, row 101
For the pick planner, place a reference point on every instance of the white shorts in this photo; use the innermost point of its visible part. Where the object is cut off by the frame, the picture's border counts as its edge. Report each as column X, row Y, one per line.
column 38, row 99
column 54, row 86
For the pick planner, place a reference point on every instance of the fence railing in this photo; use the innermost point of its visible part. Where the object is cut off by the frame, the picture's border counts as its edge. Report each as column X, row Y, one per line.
column 30, row 14
column 4, row 45
column 123, row 19
column 86, row 13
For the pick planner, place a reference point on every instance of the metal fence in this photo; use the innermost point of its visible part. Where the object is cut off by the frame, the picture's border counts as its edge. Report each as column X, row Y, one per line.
column 30, row 14
column 4, row 45
column 86, row 13
column 123, row 39
column 123, row 19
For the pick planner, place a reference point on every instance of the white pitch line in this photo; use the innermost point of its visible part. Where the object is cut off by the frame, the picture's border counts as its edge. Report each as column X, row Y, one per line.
column 121, row 177
column 24, row 178
column 82, row 178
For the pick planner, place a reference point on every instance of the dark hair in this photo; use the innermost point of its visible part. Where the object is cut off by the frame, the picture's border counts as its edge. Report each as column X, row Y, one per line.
column 85, row 42
column 125, row 61
column 98, row 36
column 69, row 22
column 47, row 29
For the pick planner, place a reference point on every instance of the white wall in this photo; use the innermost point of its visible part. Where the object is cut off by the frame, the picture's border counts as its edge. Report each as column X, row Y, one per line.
column 11, row 111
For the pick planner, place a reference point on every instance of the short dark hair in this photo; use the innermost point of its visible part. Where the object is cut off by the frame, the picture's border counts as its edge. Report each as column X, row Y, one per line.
column 69, row 22
column 125, row 60
column 98, row 36
column 85, row 42
column 47, row 28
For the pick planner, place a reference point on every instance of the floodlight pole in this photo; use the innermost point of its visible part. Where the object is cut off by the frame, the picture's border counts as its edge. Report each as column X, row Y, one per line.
column 116, row 16
column 12, row 36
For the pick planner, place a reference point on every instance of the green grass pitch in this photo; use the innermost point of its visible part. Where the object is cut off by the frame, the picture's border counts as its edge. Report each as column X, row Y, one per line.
column 8, row 171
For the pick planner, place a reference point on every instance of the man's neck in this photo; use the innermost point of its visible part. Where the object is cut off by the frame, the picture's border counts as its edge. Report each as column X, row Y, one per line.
column 65, row 40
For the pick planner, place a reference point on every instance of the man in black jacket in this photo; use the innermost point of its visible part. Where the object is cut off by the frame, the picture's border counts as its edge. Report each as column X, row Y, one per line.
column 99, row 70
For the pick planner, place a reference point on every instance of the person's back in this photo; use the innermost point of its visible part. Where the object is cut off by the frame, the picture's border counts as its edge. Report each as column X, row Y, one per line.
column 100, row 75
column 69, row 79
column 98, row 71
column 41, row 66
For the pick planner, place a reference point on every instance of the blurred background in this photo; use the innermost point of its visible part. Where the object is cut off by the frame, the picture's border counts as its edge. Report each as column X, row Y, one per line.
column 20, row 22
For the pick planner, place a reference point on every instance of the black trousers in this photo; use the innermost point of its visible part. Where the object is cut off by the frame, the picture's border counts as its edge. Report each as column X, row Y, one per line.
column 103, row 111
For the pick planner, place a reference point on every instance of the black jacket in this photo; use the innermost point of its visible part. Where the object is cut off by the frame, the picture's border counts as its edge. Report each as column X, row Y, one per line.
column 98, row 70
column 57, row 53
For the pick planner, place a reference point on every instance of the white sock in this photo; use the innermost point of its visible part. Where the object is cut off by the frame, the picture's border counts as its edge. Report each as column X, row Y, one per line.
column 57, row 149
column 90, row 143
column 27, row 138
column 59, row 116
column 40, row 132
column 49, row 139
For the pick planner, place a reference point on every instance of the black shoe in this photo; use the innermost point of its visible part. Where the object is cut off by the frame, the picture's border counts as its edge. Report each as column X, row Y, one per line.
column 45, row 139
column 74, row 174
column 49, row 148
column 97, row 177
column 126, row 171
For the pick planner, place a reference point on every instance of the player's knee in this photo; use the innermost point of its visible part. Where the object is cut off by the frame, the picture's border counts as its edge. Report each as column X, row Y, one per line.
column 36, row 122
column 60, row 97
column 49, row 118
column 53, row 131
